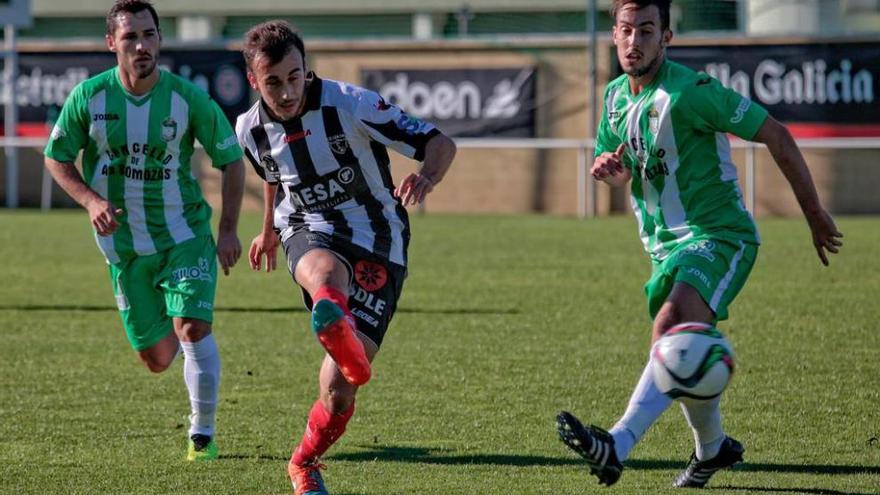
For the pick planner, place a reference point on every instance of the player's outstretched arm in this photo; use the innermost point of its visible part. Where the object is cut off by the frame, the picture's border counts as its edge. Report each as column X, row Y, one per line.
column 232, row 190
column 439, row 152
column 791, row 162
column 266, row 242
column 102, row 214
column 609, row 168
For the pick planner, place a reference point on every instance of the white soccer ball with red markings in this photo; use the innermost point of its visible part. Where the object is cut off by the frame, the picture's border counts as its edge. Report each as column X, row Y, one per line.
column 692, row 361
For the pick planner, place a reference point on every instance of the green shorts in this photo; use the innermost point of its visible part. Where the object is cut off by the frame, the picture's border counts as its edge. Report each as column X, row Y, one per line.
column 152, row 289
column 717, row 268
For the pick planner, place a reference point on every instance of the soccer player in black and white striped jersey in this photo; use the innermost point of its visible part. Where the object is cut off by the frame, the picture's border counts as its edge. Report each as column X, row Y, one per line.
column 320, row 145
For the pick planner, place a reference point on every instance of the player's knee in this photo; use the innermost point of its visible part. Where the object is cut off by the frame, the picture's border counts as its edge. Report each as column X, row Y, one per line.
column 156, row 364
column 666, row 318
column 190, row 330
column 337, row 401
column 320, row 268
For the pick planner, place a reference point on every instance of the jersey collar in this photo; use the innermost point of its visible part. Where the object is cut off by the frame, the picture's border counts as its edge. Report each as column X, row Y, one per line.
column 313, row 93
column 661, row 73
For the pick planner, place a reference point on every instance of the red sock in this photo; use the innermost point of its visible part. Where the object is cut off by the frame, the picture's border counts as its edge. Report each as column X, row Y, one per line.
column 322, row 431
column 335, row 296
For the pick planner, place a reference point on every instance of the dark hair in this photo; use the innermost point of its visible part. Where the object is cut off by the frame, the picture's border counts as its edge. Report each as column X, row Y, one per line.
column 662, row 6
column 131, row 7
column 273, row 39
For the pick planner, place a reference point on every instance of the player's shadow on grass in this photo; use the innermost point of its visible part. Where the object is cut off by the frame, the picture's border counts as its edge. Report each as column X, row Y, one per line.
column 426, row 455
column 763, row 489
column 286, row 309
column 768, row 467
column 760, row 466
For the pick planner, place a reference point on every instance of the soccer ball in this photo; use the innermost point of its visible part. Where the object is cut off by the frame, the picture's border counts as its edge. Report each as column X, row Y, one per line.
column 692, row 361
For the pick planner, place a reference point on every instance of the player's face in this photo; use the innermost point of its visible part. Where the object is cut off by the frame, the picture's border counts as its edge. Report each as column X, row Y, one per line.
column 282, row 86
column 640, row 40
column 136, row 43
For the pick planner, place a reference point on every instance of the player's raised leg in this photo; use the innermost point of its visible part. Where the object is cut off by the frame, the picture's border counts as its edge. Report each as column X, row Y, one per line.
column 321, row 273
column 326, row 424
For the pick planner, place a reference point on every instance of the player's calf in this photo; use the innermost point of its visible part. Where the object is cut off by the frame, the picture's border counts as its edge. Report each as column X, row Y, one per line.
column 337, row 336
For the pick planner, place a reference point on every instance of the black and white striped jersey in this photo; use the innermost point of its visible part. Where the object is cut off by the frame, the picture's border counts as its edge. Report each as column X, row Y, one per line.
column 332, row 165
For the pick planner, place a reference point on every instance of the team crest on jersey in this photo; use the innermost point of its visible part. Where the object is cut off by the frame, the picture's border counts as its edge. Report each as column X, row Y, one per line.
column 338, row 144
column 169, row 129
column 271, row 167
column 654, row 120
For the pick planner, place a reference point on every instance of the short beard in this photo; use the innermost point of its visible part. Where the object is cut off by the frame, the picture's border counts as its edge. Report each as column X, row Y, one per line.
column 143, row 74
column 647, row 68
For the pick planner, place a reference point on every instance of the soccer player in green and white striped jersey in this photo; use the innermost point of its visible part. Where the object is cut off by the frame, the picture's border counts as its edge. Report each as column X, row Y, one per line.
column 664, row 132
column 136, row 126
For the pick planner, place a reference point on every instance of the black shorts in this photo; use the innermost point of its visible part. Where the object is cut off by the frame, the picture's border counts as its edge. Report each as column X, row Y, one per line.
column 374, row 283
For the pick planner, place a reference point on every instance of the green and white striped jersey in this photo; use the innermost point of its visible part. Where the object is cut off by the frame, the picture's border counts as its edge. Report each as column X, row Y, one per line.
column 684, row 181
column 136, row 154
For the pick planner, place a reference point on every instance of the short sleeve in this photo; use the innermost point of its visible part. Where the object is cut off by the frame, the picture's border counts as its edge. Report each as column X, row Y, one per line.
column 720, row 109
column 390, row 125
column 71, row 131
column 212, row 129
column 606, row 138
column 264, row 166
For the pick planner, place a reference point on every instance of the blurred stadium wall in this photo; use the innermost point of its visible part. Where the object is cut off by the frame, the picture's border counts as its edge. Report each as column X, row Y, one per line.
column 513, row 69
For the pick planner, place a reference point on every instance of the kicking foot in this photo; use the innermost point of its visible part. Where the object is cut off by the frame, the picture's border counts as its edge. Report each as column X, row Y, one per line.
column 338, row 338
column 592, row 443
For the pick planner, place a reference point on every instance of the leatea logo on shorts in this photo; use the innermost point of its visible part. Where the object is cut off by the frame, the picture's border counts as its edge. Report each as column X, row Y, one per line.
column 370, row 276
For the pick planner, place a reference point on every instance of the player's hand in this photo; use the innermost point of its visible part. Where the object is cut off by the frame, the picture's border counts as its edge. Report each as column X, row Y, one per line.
column 228, row 250
column 103, row 215
column 265, row 243
column 825, row 234
column 413, row 189
column 609, row 165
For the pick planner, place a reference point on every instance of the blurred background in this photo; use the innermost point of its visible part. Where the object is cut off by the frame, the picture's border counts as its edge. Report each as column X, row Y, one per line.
column 516, row 82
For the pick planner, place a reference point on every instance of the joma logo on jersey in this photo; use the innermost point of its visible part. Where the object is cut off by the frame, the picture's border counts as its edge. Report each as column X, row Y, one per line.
column 105, row 116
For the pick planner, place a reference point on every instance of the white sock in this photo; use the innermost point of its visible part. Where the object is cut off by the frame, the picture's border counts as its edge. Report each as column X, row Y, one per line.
column 646, row 404
column 705, row 419
column 201, row 372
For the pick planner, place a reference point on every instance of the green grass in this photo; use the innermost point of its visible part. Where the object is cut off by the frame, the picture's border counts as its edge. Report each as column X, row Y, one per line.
column 503, row 322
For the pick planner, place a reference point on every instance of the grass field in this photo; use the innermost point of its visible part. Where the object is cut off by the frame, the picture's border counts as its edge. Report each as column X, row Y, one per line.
column 503, row 322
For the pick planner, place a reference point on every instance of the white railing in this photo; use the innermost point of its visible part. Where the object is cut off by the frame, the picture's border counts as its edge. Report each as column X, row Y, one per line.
column 586, row 188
